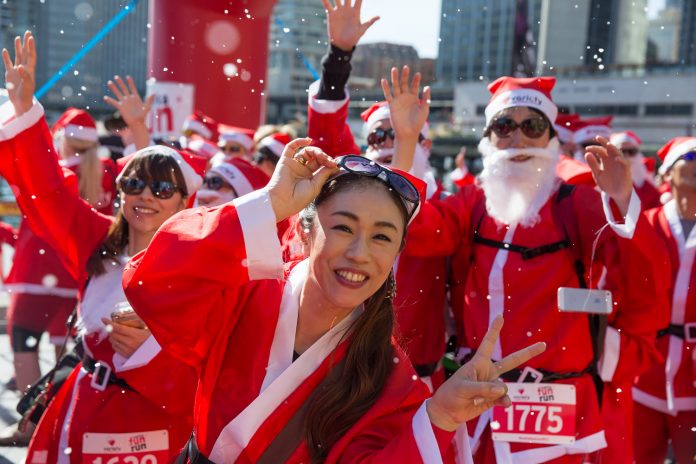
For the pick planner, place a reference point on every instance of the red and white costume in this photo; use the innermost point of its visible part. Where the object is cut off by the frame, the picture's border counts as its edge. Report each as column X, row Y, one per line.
column 160, row 397
column 235, row 323
column 420, row 282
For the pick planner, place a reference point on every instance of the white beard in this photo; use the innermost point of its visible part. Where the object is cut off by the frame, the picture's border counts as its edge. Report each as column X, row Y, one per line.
column 638, row 171
column 516, row 191
column 213, row 198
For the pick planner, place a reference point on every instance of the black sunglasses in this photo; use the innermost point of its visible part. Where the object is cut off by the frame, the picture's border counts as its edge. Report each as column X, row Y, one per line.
column 378, row 136
column 365, row 167
column 231, row 148
column 532, row 127
column 629, row 152
column 215, row 183
column 160, row 188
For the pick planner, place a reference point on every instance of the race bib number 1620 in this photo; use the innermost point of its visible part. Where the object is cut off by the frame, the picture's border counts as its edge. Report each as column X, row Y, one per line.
column 539, row 413
column 126, row 448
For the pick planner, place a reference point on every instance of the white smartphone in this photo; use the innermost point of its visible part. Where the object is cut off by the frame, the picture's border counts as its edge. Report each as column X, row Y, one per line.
column 582, row 300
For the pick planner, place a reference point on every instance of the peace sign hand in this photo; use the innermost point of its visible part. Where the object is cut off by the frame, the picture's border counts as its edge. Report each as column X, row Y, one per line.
column 475, row 387
column 298, row 177
column 20, row 77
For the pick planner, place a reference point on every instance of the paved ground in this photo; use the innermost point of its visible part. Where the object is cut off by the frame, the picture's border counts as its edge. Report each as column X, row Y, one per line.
column 8, row 399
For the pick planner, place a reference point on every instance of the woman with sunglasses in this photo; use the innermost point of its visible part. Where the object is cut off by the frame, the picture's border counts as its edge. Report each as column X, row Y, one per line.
column 517, row 237
column 301, row 366
column 229, row 180
column 643, row 177
column 665, row 396
column 126, row 399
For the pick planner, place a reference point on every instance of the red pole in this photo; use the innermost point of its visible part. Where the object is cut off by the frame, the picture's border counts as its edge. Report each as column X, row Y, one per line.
column 221, row 47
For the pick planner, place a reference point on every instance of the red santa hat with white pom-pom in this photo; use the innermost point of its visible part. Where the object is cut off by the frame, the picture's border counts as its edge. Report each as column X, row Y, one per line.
column 192, row 166
column 534, row 92
column 630, row 137
column 380, row 111
column 240, row 135
column 77, row 124
column 201, row 124
column 587, row 129
column 673, row 150
column 275, row 143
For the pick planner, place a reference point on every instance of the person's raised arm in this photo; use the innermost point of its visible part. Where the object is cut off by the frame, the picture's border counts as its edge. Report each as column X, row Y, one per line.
column 132, row 108
column 408, row 113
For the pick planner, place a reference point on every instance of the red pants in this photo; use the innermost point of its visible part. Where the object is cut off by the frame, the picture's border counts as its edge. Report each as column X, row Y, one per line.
column 617, row 415
column 652, row 430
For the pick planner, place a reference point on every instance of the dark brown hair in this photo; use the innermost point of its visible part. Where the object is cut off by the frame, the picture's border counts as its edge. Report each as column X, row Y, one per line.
column 351, row 390
column 151, row 164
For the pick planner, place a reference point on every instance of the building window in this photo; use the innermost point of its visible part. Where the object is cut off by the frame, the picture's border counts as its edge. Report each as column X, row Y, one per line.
column 615, row 110
column 669, row 110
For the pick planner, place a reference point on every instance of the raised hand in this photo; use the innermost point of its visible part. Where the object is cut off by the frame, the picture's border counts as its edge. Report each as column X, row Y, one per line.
column 407, row 112
column 128, row 102
column 475, row 387
column 298, row 177
column 611, row 171
column 343, row 23
column 20, row 76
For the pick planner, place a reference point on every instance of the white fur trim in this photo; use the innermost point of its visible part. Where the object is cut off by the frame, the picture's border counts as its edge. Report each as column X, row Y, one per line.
column 38, row 289
column 563, row 133
column 63, row 457
column 88, row 134
column 425, row 436
column 198, row 127
column 610, row 354
column 272, row 144
column 674, row 154
column 258, row 221
column 622, row 137
column 10, row 125
column 325, row 106
column 143, row 355
column 236, row 137
column 584, row 445
column 191, row 177
column 203, row 148
column 590, row 132
column 687, row 403
column 626, row 229
column 521, row 97
column 379, row 114
column 496, row 288
column 234, row 176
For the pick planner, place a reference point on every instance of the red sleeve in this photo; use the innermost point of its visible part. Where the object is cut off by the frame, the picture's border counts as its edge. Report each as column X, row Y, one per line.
column 187, row 280
column 47, row 195
column 327, row 124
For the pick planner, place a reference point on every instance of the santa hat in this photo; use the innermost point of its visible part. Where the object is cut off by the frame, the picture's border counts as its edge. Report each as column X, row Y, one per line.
column 77, row 124
column 192, row 166
column 509, row 92
column 202, row 147
column 201, row 124
column 672, row 150
column 588, row 129
column 240, row 135
column 275, row 143
column 617, row 138
column 564, row 126
column 380, row 111
column 241, row 175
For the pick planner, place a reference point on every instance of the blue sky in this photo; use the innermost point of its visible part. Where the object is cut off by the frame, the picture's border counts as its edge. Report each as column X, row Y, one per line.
column 409, row 22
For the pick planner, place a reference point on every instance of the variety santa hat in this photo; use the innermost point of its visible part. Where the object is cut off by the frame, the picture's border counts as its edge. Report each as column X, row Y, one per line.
column 673, row 150
column 201, row 124
column 617, row 138
column 78, row 124
column 275, row 143
column 202, row 147
column 240, row 135
column 588, row 129
column 241, row 175
column 192, row 166
column 564, row 126
column 380, row 111
column 534, row 92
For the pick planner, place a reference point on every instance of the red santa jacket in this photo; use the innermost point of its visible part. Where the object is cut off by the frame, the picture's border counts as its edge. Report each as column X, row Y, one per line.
column 161, row 389
column 500, row 282
column 235, row 323
column 670, row 386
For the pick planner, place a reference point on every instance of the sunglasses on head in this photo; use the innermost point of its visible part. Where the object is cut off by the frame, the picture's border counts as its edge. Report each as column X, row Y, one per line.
column 162, row 189
column 378, row 136
column 532, row 127
column 629, row 152
column 365, row 167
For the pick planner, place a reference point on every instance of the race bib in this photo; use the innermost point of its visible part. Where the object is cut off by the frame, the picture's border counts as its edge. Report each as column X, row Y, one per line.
column 540, row 413
column 126, row 448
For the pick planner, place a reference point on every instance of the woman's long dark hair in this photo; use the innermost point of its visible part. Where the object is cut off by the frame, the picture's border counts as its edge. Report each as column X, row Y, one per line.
column 148, row 166
column 351, row 390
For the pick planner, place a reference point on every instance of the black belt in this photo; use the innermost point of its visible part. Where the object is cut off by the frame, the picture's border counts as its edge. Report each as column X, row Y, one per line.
column 102, row 374
column 685, row 332
column 547, row 376
column 193, row 454
column 526, row 252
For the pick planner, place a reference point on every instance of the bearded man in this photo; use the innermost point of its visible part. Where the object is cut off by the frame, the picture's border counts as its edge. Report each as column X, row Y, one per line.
column 518, row 236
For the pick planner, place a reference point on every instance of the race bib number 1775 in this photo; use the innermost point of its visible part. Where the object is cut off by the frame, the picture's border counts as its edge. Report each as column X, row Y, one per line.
column 539, row 413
